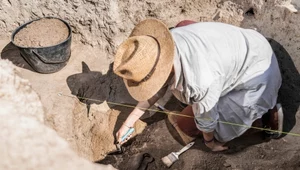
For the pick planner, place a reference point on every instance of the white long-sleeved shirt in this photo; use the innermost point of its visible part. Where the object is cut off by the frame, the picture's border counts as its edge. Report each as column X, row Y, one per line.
column 213, row 59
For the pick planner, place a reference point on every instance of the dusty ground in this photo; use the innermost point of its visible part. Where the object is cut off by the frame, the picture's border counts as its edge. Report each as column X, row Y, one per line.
column 99, row 26
column 88, row 128
column 246, row 152
column 42, row 33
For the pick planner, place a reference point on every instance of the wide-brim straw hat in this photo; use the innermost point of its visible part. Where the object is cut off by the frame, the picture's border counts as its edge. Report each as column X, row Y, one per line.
column 145, row 59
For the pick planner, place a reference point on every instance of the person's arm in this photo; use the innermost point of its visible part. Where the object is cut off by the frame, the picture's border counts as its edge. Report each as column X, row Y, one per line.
column 131, row 119
column 137, row 112
column 206, row 122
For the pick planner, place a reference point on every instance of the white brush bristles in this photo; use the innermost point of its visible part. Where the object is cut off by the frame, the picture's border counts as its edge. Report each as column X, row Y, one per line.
column 169, row 159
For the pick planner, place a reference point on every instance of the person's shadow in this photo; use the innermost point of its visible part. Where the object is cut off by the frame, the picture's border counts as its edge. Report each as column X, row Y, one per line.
column 89, row 86
column 93, row 87
column 289, row 93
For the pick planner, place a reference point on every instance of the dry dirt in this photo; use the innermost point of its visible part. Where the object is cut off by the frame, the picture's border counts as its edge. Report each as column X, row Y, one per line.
column 99, row 27
column 42, row 33
column 26, row 141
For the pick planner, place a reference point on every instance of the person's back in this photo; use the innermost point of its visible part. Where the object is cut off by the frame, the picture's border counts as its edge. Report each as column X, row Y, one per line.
column 220, row 51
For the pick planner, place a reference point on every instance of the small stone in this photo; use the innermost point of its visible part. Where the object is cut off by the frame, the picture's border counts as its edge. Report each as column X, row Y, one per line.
column 217, row 16
column 227, row 165
column 291, row 8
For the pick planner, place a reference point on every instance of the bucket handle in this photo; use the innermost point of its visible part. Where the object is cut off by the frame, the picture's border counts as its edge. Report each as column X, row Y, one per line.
column 43, row 58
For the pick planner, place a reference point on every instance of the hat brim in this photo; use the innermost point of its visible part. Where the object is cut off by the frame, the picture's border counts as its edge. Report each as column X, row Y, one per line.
column 155, row 28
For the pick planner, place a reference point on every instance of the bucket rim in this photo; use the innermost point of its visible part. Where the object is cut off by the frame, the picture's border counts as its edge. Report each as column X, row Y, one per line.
column 29, row 22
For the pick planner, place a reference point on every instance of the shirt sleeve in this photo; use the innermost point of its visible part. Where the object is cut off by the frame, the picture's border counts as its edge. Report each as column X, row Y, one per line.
column 153, row 99
column 206, row 120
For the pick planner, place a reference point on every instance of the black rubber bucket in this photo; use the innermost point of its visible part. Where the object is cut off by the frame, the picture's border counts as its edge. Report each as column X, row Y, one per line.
column 46, row 59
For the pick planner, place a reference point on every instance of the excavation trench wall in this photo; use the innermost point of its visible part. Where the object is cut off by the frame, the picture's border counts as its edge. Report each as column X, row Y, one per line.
column 99, row 27
column 106, row 23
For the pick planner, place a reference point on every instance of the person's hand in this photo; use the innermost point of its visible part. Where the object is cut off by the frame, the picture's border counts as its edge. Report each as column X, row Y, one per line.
column 121, row 132
column 216, row 146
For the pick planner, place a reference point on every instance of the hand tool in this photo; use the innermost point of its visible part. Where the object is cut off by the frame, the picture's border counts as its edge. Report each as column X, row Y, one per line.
column 160, row 107
column 174, row 156
column 119, row 149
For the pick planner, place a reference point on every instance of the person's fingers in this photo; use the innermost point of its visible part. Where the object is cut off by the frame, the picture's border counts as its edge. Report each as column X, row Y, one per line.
column 224, row 148
column 118, row 136
column 125, row 140
column 121, row 132
column 128, row 137
column 219, row 148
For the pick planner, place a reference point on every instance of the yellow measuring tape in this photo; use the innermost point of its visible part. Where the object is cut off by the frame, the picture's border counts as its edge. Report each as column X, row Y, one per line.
column 178, row 114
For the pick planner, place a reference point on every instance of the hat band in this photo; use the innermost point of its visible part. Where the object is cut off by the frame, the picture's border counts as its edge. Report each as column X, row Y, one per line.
column 156, row 61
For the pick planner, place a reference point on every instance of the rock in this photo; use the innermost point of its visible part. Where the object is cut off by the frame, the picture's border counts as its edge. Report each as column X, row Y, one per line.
column 217, row 16
column 25, row 142
column 290, row 7
column 227, row 165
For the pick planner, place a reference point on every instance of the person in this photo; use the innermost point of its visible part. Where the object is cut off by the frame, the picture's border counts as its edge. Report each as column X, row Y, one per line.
column 226, row 75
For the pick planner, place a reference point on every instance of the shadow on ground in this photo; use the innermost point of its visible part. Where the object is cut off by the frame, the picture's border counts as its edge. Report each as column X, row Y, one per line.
column 12, row 53
column 89, row 86
column 289, row 97
column 289, row 93
column 110, row 87
column 93, row 87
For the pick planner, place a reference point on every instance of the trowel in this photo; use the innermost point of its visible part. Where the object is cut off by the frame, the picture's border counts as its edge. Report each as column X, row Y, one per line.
column 119, row 148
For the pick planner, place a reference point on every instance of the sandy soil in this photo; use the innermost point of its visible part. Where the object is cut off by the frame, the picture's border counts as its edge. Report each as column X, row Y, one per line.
column 246, row 152
column 90, row 133
column 42, row 33
column 89, row 125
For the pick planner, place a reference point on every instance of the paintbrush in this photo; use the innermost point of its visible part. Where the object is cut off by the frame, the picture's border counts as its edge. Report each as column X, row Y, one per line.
column 174, row 156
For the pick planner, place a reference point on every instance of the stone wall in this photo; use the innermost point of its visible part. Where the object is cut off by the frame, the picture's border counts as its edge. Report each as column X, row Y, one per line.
column 106, row 23
column 103, row 25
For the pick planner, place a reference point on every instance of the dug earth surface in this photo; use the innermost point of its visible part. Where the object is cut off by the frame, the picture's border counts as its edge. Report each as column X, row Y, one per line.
column 99, row 27
column 42, row 33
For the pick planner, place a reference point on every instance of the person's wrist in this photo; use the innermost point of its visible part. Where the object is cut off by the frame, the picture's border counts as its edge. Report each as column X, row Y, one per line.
column 127, row 125
column 210, row 145
column 209, row 141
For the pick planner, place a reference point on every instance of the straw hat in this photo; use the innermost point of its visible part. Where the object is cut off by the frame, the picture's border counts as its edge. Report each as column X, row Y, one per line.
column 145, row 59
